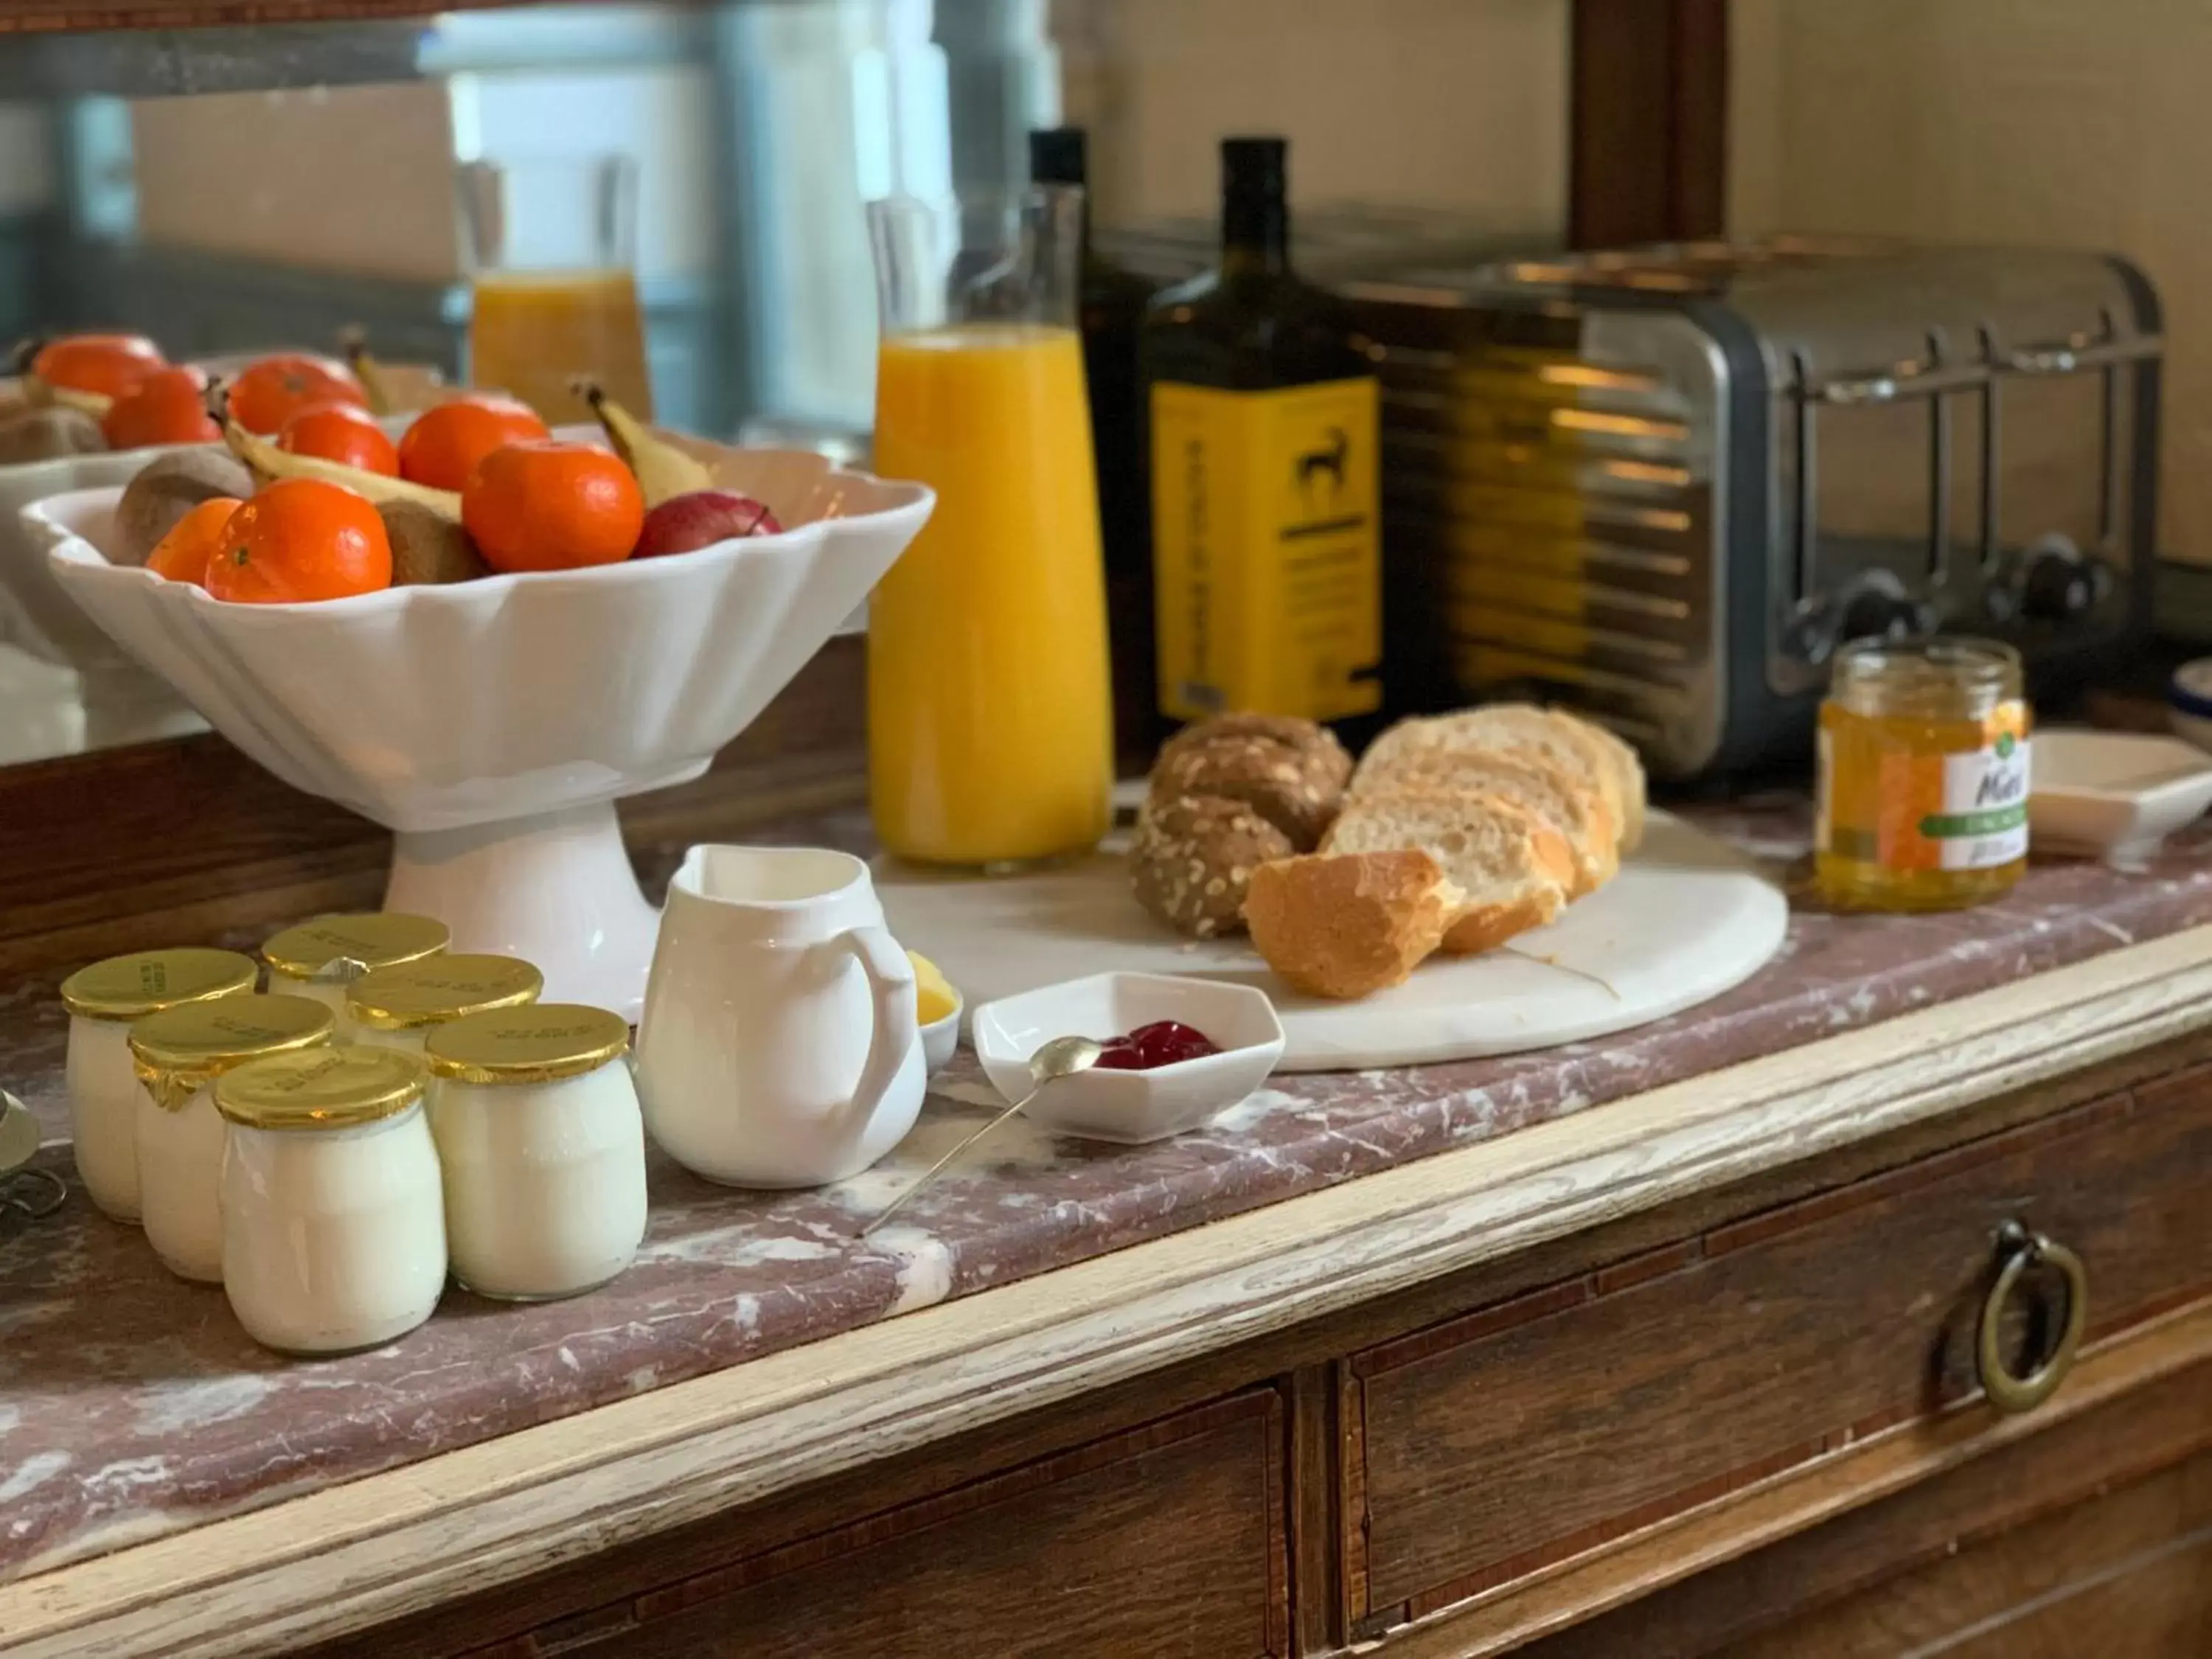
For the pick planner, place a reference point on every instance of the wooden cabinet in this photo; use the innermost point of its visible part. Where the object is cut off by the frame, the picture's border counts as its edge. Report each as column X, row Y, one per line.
column 1516, row 1436
column 1745, row 1426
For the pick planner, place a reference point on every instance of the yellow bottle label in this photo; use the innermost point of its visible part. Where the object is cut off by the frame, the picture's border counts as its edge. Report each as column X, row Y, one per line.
column 1266, row 549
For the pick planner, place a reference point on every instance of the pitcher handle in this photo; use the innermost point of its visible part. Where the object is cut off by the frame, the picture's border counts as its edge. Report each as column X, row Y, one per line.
column 898, row 1021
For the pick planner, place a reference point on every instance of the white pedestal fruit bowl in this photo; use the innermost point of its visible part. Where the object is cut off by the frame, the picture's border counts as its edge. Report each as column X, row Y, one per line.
column 492, row 725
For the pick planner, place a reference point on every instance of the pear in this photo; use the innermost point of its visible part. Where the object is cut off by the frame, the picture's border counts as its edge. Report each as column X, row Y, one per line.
column 664, row 471
column 270, row 462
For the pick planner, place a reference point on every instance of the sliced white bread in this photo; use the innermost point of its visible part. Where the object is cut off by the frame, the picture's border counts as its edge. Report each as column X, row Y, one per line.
column 1592, row 756
column 1513, row 870
column 1349, row 926
column 1558, row 794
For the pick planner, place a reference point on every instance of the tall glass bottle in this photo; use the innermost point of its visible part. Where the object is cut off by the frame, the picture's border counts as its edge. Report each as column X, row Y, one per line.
column 990, row 715
column 1111, row 302
column 1264, row 435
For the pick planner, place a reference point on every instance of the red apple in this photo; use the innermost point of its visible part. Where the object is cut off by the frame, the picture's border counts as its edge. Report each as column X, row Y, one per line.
column 700, row 519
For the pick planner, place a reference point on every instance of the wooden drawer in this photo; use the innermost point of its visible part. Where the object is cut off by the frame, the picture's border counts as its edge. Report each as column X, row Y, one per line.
column 1481, row 1449
column 1167, row 1540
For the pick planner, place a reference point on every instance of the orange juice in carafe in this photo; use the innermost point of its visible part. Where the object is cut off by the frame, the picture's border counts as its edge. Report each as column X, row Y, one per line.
column 532, row 332
column 990, row 722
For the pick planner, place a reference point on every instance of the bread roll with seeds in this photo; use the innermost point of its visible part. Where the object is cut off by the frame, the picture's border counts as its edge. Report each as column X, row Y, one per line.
column 1349, row 925
column 1193, row 858
column 1294, row 780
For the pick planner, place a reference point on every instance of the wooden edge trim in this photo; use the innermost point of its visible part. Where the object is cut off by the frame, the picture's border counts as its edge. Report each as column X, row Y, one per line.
column 1861, row 1472
column 348, row 1556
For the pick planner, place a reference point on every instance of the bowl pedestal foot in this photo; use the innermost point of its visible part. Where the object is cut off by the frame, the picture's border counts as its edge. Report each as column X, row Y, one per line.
column 556, row 889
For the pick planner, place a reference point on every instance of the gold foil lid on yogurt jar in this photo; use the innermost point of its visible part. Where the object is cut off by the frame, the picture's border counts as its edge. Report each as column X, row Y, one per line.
column 180, row 1050
column 147, row 982
column 435, row 990
column 320, row 1088
column 325, row 948
column 538, row 1044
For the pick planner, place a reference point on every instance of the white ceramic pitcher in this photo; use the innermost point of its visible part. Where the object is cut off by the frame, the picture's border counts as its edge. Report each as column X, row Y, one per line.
column 779, row 1046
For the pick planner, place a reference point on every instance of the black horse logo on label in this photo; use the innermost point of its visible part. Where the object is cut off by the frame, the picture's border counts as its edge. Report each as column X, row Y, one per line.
column 1327, row 462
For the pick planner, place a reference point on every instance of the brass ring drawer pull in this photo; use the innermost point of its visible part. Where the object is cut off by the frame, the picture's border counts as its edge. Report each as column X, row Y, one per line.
column 2019, row 1250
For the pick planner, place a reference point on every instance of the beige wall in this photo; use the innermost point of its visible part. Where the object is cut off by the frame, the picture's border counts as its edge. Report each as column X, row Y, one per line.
column 352, row 177
column 2007, row 121
column 1452, row 105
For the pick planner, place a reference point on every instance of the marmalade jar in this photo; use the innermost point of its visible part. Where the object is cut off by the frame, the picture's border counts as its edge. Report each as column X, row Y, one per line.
column 1923, row 774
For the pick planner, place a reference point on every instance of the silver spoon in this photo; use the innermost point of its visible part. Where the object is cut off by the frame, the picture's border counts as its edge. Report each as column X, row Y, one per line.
column 1061, row 1057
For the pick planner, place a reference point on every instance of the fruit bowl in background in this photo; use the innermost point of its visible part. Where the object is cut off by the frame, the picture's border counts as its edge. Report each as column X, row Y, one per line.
column 494, row 724
column 122, row 702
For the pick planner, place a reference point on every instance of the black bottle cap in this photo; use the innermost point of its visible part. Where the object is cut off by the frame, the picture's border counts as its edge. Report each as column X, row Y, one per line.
column 1056, row 155
column 1254, row 166
column 1254, row 214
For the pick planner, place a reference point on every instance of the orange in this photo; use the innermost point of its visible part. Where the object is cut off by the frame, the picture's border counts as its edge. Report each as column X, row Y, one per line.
column 269, row 393
column 301, row 539
column 445, row 444
column 183, row 555
column 345, row 433
column 543, row 505
column 109, row 364
column 169, row 406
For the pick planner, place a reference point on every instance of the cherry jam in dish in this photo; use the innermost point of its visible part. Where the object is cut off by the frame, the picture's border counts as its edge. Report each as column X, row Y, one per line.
column 1164, row 1042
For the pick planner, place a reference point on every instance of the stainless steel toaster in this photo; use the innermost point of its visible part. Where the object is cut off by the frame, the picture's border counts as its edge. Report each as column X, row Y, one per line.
column 1663, row 485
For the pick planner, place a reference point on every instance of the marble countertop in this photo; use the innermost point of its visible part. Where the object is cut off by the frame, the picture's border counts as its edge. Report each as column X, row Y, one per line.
column 131, row 1406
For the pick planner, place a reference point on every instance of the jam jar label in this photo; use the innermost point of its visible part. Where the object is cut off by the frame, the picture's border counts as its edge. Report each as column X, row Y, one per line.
column 1983, row 821
column 1899, row 805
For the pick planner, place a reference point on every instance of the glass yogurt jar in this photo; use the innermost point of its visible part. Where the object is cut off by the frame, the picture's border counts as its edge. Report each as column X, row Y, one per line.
column 333, row 1225
column 398, row 1008
column 102, row 1001
column 321, row 958
column 544, row 1148
column 179, row 1055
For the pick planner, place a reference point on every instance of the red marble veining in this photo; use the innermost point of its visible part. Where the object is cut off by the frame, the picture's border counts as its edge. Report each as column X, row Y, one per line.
column 131, row 1404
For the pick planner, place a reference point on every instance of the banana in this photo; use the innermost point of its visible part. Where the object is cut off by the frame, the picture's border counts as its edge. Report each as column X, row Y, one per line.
column 40, row 395
column 270, row 462
column 353, row 341
column 663, row 471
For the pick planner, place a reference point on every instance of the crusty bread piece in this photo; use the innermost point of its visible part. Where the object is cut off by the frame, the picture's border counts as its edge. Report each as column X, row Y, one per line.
column 1193, row 858
column 1513, row 869
column 1557, row 794
column 1349, row 926
column 1595, row 757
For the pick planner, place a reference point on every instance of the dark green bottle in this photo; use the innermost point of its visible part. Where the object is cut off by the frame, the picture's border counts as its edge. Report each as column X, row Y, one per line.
column 1264, row 433
column 1112, row 307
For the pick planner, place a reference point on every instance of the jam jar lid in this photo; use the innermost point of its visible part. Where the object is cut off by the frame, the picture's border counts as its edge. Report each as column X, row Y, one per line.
column 433, row 990
column 538, row 1044
column 322, row 1088
column 147, row 982
column 374, row 940
column 180, row 1050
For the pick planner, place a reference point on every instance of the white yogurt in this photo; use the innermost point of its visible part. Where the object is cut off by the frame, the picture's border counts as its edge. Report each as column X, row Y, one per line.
column 179, row 1183
column 103, row 1095
column 544, row 1182
column 333, row 1240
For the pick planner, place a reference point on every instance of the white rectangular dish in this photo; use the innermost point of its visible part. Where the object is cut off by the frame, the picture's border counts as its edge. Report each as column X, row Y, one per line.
column 2113, row 794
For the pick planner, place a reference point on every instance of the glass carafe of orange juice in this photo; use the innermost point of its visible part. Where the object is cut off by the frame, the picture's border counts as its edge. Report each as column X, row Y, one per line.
column 990, row 714
column 553, row 297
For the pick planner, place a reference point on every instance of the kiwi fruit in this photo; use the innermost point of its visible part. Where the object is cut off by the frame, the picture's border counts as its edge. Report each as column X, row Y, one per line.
column 43, row 434
column 168, row 487
column 427, row 546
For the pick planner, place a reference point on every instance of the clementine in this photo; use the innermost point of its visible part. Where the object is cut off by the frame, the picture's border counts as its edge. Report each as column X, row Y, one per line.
column 301, row 539
column 169, row 406
column 345, row 433
column 445, row 444
column 109, row 364
column 183, row 554
column 269, row 393
column 543, row 505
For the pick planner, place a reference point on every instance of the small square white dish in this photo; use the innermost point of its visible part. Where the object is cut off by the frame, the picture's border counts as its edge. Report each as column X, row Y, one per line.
column 1131, row 1107
column 2113, row 794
